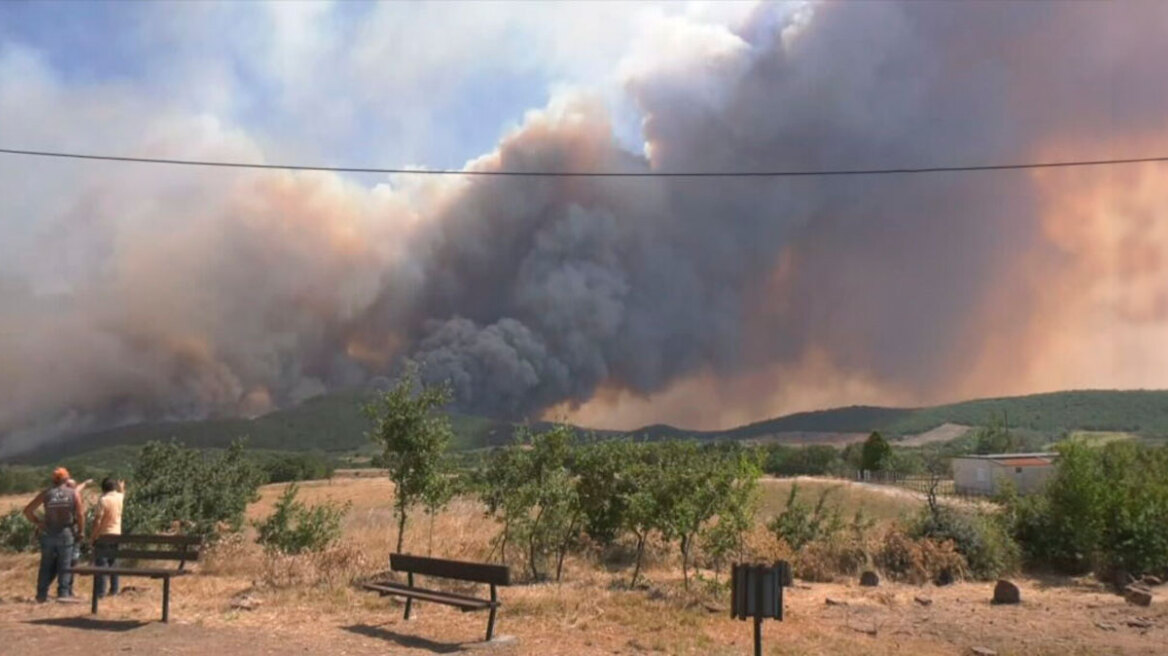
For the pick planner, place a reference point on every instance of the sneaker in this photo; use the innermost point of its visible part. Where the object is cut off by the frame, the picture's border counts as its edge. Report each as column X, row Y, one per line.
column 42, row 600
column 69, row 599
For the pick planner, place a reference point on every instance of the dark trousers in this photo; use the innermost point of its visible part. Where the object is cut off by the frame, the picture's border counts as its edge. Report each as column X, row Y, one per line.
column 56, row 558
column 103, row 557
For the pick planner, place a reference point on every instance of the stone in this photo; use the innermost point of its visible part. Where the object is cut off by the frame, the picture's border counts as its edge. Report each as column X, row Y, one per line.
column 1006, row 592
column 869, row 579
column 1138, row 595
column 924, row 601
column 835, row 602
column 1140, row 623
column 246, row 602
column 944, row 577
column 982, row 651
column 1106, row 626
column 1150, row 580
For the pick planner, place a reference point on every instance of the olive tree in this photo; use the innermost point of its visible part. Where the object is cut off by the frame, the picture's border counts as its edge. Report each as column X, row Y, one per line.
column 414, row 434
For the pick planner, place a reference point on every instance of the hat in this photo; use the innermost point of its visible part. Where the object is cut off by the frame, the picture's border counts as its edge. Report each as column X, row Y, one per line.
column 60, row 475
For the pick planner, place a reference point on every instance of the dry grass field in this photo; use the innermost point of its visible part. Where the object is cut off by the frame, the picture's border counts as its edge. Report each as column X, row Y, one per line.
column 306, row 605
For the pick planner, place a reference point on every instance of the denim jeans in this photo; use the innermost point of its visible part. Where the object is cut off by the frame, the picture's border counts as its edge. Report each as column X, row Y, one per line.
column 103, row 557
column 56, row 558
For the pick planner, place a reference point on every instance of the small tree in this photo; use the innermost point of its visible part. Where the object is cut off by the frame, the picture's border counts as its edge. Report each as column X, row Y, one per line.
column 995, row 437
column 502, row 487
column 876, row 452
column 551, row 518
column 696, row 485
column 414, row 437
column 604, row 483
column 724, row 538
column 642, row 502
column 435, row 498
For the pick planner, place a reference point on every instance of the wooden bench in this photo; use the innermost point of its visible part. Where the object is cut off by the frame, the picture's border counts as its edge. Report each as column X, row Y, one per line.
column 182, row 548
column 494, row 575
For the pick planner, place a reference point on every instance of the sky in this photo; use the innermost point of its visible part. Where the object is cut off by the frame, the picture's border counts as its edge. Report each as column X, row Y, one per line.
column 130, row 292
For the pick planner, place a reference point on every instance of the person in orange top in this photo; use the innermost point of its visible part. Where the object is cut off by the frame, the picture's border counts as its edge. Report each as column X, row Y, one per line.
column 62, row 524
column 107, row 521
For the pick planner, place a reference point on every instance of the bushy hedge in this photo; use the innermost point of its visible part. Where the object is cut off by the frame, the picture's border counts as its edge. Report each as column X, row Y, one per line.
column 1105, row 509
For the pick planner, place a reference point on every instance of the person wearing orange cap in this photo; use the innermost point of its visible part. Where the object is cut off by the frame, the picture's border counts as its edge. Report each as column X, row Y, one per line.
column 61, row 525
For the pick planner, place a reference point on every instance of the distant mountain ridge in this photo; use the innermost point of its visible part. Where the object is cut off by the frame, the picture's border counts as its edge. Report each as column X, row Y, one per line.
column 334, row 423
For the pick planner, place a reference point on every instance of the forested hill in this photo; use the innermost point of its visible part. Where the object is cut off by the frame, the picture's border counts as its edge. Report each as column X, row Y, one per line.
column 334, row 423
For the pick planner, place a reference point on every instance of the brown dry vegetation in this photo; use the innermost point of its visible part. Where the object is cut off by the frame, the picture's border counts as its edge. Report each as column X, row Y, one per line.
column 307, row 604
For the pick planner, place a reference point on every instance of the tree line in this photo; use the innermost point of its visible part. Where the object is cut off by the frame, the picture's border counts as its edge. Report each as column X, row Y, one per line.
column 553, row 491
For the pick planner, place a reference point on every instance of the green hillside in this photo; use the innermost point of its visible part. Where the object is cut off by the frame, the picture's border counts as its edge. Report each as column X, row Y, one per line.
column 852, row 419
column 333, row 423
column 1137, row 411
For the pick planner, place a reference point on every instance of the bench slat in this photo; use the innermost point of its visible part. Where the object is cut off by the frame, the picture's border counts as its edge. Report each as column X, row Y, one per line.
column 152, row 539
column 143, row 554
column 451, row 569
column 86, row 570
column 436, row 596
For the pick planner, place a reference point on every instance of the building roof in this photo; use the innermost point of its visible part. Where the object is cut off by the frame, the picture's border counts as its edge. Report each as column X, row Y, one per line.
column 1016, row 459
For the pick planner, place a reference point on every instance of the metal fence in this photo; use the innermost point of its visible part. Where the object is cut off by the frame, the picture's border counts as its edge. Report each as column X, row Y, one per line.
column 916, row 483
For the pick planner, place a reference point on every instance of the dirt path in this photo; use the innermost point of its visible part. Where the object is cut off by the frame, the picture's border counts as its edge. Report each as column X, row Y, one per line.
column 65, row 630
column 891, row 491
column 1069, row 618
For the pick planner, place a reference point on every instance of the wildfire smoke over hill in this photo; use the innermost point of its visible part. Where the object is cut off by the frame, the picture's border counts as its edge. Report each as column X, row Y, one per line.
column 175, row 294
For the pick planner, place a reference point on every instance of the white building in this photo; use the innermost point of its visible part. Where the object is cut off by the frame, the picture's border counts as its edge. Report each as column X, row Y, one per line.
column 986, row 474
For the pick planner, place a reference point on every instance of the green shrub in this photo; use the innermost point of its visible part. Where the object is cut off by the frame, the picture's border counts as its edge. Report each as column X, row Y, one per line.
column 204, row 494
column 980, row 538
column 800, row 524
column 294, row 528
column 17, row 533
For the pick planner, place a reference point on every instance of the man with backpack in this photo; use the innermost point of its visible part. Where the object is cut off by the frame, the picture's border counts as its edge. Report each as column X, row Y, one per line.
column 61, row 526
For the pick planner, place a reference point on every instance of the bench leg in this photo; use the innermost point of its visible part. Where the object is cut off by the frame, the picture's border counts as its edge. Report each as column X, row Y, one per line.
column 491, row 619
column 166, row 599
column 409, row 600
column 93, row 601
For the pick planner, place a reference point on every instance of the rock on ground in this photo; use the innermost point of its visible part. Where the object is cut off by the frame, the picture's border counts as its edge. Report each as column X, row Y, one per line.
column 1138, row 595
column 869, row 579
column 1006, row 592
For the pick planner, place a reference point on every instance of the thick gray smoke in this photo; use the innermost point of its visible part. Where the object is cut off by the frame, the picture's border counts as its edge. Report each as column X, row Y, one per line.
column 529, row 293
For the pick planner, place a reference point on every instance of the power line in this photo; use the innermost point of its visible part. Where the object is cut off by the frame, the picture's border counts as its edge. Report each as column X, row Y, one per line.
column 596, row 174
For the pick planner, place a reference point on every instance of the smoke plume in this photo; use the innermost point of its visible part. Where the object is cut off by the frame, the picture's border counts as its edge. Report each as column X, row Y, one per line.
column 623, row 300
